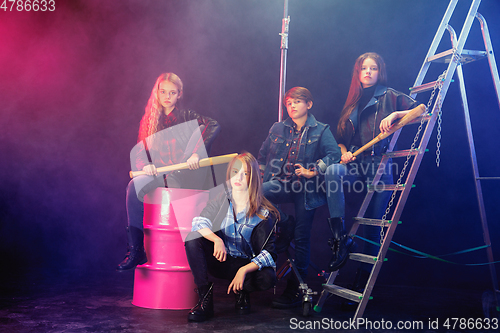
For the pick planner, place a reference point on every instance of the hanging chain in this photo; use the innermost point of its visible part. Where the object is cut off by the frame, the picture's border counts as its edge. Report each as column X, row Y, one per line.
column 456, row 57
column 438, row 144
column 438, row 85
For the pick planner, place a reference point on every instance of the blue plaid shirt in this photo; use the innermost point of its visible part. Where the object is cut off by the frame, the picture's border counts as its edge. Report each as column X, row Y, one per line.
column 237, row 236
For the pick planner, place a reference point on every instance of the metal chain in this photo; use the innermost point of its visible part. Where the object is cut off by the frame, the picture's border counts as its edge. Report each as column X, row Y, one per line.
column 398, row 183
column 438, row 85
column 438, row 144
column 456, row 57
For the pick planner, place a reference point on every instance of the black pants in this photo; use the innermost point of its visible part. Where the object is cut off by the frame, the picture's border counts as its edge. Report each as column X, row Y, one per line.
column 199, row 251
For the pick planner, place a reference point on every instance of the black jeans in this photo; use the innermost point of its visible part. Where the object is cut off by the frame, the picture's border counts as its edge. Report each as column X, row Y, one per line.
column 279, row 192
column 199, row 251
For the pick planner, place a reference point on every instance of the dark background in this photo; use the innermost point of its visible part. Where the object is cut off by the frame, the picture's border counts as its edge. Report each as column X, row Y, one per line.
column 74, row 84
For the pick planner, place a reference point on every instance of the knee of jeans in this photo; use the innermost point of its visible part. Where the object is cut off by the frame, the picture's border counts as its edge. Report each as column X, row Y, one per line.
column 268, row 279
column 302, row 242
column 131, row 193
column 336, row 169
column 267, row 188
column 131, row 187
column 191, row 237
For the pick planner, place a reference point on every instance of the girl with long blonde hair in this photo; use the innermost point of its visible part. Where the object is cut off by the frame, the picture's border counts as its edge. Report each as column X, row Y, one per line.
column 167, row 135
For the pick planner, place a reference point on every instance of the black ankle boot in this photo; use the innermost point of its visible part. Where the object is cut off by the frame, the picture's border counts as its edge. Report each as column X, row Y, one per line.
column 205, row 308
column 340, row 244
column 135, row 254
column 242, row 305
column 284, row 234
column 291, row 297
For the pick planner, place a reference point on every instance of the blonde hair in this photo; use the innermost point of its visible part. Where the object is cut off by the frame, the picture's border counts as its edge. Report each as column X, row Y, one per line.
column 256, row 198
column 153, row 110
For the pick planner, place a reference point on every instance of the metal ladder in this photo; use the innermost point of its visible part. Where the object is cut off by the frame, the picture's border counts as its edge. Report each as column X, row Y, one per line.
column 454, row 57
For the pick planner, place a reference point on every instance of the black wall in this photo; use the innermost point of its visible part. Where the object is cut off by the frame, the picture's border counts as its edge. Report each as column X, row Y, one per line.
column 74, row 83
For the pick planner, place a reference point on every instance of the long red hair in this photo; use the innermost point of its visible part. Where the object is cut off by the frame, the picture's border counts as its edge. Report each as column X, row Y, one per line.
column 356, row 88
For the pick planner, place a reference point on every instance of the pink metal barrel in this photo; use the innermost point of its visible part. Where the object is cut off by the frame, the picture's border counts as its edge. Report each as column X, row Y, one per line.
column 165, row 281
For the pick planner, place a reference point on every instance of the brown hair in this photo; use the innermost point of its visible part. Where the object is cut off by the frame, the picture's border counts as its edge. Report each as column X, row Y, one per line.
column 356, row 88
column 153, row 110
column 298, row 93
column 256, row 198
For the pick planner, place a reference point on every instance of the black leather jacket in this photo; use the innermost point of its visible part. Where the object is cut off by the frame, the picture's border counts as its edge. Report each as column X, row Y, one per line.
column 385, row 101
column 262, row 238
column 175, row 143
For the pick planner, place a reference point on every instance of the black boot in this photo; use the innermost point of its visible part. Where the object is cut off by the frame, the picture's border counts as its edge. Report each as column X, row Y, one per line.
column 291, row 296
column 341, row 244
column 242, row 305
column 284, row 236
column 205, row 307
column 135, row 254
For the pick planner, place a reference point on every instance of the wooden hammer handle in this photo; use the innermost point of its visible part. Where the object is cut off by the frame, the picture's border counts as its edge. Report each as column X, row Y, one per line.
column 414, row 113
column 203, row 163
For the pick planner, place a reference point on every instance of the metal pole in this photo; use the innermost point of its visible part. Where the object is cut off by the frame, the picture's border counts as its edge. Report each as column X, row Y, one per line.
column 284, row 49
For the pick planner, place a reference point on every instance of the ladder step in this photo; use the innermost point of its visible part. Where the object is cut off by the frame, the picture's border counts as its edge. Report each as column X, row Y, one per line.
column 361, row 257
column 387, row 187
column 402, row 153
column 467, row 56
column 424, row 87
column 343, row 292
column 374, row 222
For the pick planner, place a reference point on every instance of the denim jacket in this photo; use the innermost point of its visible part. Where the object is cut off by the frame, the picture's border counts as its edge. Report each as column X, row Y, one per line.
column 318, row 149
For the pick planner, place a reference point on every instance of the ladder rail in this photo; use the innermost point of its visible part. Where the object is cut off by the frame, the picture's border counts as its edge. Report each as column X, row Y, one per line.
column 378, row 175
column 477, row 180
column 491, row 56
column 324, row 293
column 475, row 168
column 472, row 149
column 435, row 44
column 396, row 215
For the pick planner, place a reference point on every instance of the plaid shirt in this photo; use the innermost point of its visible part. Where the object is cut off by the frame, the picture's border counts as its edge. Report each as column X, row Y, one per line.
column 289, row 167
column 237, row 236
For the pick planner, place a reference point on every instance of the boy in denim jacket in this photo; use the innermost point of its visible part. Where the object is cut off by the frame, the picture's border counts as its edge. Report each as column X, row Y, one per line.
column 293, row 160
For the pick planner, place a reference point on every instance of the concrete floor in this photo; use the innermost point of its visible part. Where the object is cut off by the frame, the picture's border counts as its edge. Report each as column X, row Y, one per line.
column 101, row 302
